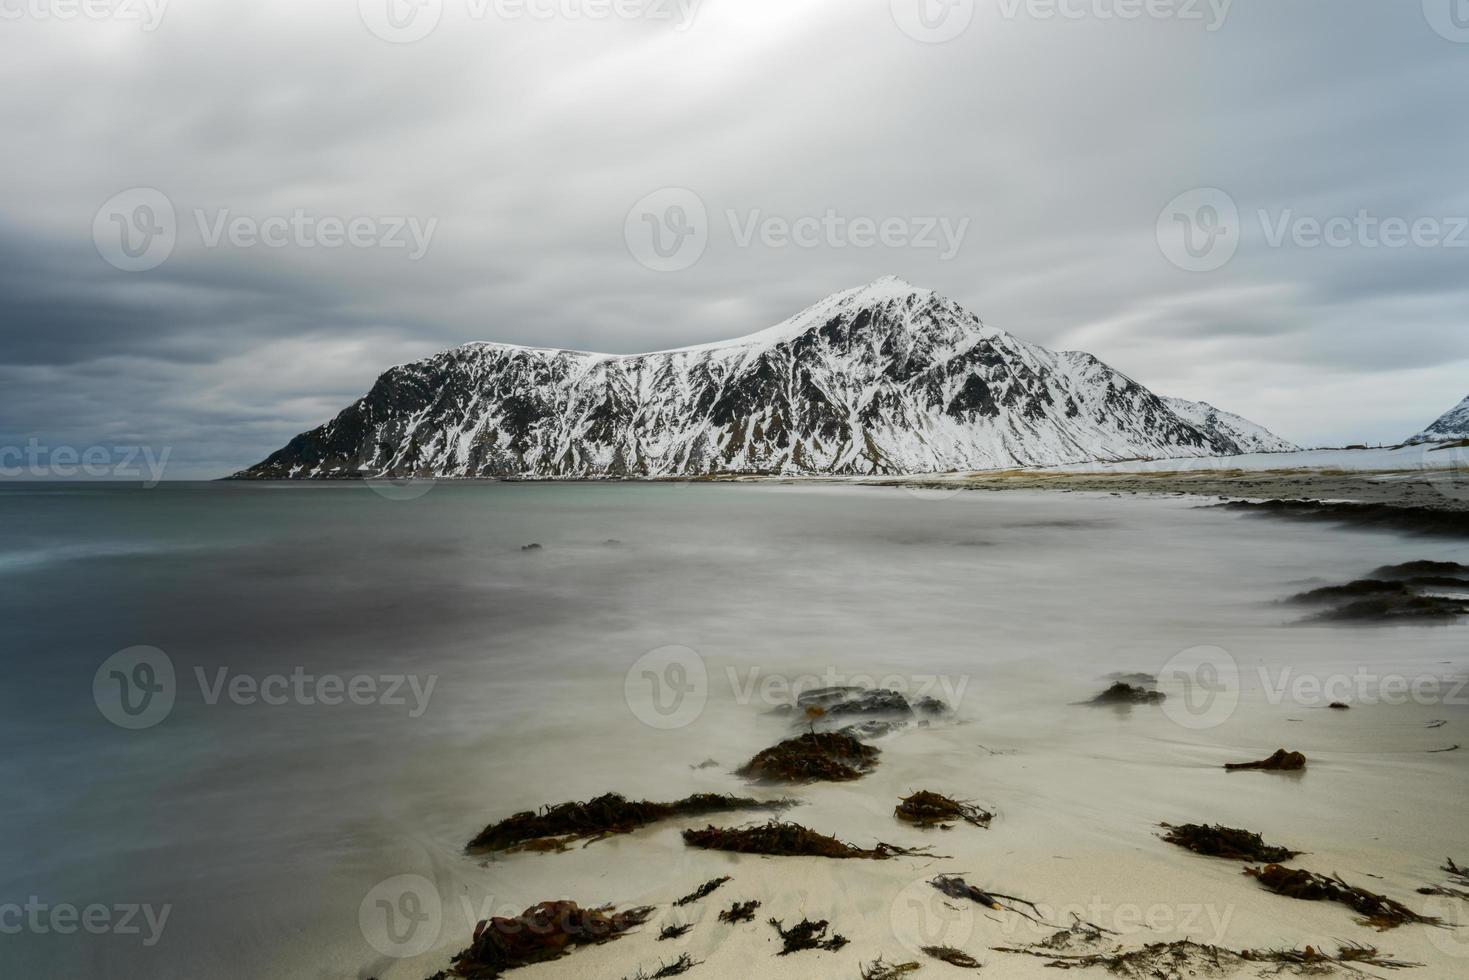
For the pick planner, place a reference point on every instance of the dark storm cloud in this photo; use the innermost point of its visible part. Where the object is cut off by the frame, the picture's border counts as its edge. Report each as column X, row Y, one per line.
column 527, row 141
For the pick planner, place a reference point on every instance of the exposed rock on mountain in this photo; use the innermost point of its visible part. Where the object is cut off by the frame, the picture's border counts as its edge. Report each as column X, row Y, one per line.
column 883, row 379
column 1452, row 426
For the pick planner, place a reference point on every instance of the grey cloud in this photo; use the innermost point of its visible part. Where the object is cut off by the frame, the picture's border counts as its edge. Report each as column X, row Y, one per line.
column 1060, row 142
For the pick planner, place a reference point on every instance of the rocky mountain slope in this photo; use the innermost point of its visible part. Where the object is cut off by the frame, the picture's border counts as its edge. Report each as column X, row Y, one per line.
column 1452, row 426
column 883, row 379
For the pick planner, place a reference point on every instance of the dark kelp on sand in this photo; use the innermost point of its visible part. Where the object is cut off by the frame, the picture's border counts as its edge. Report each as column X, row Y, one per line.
column 703, row 891
column 1186, row 958
column 812, row 757
column 676, row 930
column 740, row 912
column 805, row 935
column 1378, row 911
column 956, row 887
column 678, row 967
column 879, row 970
column 927, row 809
column 556, row 826
column 1458, row 882
column 788, row 840
column 1226, row 842
column 1279, row 761
column 543, row 932
column 952, row 956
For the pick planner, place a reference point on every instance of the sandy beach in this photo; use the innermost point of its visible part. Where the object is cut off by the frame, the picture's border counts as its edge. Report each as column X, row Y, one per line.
column 1078, row 791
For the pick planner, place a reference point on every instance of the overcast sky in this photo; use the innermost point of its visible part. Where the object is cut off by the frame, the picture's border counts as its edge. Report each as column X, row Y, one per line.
column 495, row 162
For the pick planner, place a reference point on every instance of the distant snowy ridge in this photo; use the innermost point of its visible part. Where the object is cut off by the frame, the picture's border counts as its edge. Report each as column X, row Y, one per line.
column 883, row 379
column 1452, row 426
column 1249, row 436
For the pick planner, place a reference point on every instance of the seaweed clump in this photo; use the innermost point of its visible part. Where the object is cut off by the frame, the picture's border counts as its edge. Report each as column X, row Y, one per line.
column 1188, row 958
column 1124, row 693
column 543, row 932
column 806, row 935
column 878, row 970
column 1311, row 958
column 1378, row 911
column 952, row 956
column 934, row 810
column 1279, row 761
column 740, row 912
column 1226, row 842
column 556, row 826
column 787, row 840
column 703, row 891
column 1457, row 877
column 812, row 757
column 678, row 967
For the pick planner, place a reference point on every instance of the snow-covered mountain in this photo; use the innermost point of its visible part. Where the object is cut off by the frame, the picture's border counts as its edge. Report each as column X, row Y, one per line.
column 1251, row 437
column 1452, row 426
column 883, row 379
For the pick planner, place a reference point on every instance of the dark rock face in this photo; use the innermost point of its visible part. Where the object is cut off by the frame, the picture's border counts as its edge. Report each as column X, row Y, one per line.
column 886, row 379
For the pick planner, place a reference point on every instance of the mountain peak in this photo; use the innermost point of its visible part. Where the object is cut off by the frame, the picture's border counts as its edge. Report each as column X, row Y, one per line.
column 884, row 289
column 882, row 378
column 1452, row 426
